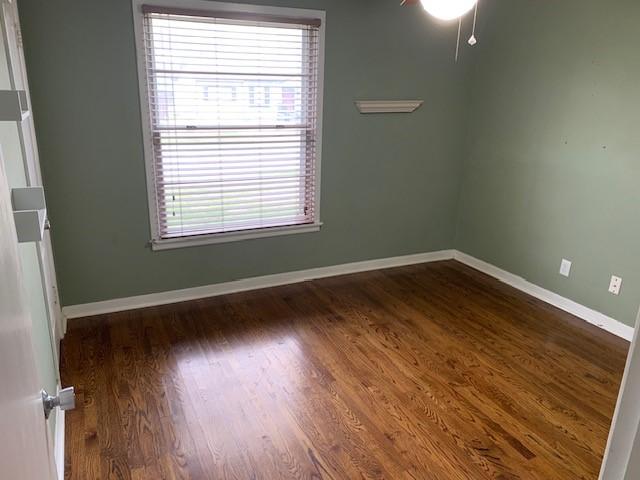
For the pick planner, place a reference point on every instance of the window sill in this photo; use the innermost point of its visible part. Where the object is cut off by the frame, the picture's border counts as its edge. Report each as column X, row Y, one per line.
column 196, row 241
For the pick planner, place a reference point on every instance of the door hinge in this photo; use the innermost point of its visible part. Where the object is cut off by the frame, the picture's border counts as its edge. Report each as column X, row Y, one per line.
column 18, row 35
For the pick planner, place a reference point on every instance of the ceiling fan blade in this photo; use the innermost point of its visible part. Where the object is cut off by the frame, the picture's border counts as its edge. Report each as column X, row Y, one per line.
column 405, row 3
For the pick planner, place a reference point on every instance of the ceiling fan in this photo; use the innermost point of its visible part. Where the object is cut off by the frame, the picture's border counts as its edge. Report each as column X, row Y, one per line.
column 450, row 10
column 444, row 9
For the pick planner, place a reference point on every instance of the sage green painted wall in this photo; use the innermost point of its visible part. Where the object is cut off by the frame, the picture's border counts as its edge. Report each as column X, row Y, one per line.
column 553, row 163
column 546, row 122
column 389, row 183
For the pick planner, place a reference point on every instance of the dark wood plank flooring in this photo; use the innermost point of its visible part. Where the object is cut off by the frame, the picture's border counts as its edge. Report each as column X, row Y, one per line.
column 432, row 371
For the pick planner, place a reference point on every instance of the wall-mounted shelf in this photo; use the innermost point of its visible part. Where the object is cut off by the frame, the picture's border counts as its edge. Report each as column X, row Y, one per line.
column 29, row 213
column 14, row 106
column 388, row 106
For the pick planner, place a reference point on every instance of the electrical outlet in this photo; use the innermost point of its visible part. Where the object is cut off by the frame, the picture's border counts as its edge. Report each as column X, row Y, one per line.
column 565, row 267
column 614, row 286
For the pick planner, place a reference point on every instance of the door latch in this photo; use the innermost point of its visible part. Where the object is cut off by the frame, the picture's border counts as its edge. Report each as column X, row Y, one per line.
column 65, row 400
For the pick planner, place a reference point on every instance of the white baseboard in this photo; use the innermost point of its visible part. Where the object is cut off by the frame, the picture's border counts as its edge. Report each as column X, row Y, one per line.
column 587, row 314
column 58, row 443
column 164, row 298
column 255, row 283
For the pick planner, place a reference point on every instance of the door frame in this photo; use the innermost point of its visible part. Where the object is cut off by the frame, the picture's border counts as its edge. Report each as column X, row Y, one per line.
column 623, row 447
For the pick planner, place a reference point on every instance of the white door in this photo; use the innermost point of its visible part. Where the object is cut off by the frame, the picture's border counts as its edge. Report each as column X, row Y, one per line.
column 18, row 77
column 622, row 456
column 24, row 452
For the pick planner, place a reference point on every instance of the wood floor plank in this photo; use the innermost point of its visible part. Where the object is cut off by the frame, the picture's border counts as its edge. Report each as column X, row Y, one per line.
column 431, row 371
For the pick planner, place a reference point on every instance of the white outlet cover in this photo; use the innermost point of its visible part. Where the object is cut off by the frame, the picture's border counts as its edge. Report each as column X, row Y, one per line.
column 615, row 285
column 565, row 267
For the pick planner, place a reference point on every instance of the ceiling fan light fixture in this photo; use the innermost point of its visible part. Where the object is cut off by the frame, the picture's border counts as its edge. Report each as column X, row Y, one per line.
column 448, row 9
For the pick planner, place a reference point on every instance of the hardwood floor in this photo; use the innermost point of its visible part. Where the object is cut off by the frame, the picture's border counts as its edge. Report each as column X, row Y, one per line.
column 432, row 371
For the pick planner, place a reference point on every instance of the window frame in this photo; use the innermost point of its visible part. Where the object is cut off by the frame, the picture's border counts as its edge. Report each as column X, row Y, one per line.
column 159, row 243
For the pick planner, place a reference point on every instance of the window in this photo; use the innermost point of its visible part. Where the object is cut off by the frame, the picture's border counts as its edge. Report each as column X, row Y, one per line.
column 260, row 96
column 231, row 101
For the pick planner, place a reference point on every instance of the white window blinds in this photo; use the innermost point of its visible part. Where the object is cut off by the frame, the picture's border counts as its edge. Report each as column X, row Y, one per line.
column 233, row 109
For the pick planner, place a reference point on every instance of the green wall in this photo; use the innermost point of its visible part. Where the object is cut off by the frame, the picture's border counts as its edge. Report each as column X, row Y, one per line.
column 553, row 163
column 524, row 153
column 389, row 183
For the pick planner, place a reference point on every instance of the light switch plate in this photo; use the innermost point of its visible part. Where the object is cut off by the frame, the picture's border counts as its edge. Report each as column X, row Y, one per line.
column 565, row 267
column 615, row 285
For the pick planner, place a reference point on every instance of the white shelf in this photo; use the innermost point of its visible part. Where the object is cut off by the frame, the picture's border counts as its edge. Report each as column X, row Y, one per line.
column 29, row 213
column 388, row 106
column 14, row 106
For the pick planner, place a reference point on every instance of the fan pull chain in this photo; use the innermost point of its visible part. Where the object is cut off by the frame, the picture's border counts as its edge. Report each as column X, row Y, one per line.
column 473, row 40
column 458, row 41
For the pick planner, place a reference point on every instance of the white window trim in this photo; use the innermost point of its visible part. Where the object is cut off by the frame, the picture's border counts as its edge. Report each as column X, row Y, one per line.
column 158, row 243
